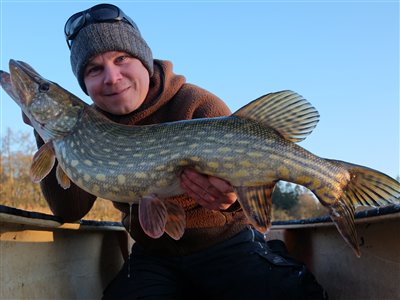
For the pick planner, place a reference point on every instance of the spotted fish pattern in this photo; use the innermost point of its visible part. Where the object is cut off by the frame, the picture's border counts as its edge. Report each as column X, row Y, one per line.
column 253, row 149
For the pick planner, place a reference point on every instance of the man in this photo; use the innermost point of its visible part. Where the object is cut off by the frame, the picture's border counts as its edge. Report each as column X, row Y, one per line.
column 219, row 255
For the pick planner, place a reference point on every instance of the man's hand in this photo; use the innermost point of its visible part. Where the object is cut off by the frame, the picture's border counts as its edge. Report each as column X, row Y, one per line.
column 210, row 192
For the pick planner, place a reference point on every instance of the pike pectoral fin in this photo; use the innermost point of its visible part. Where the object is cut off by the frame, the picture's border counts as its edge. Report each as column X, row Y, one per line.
column 256, row 203
column 62, row 178
column 152, row 216
column 43, row 162
column 176, row 219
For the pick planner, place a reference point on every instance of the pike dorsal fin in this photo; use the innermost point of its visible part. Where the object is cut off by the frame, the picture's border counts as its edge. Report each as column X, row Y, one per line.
column 287, row 112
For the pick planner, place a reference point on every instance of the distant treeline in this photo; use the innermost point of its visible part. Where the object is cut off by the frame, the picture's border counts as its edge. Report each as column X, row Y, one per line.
column 17, row 190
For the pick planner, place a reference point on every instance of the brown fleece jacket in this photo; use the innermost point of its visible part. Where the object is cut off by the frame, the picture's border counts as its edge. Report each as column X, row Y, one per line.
column 169, row 98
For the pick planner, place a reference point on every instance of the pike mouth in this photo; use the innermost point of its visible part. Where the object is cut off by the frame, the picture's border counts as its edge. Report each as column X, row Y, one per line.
column 6, row 84
column 23, row 81
column 5, row 78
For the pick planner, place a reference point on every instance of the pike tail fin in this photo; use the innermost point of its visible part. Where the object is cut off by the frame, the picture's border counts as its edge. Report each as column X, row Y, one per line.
column 367, row 187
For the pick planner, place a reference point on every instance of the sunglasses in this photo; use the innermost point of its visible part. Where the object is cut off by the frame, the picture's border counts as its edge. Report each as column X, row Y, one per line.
column 97, row 14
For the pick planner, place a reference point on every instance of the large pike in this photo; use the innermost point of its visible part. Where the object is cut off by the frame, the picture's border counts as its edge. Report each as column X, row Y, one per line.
column 253, row 149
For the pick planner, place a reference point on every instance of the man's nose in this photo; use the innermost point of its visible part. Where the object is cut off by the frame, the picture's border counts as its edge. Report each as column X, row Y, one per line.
column 111, row 74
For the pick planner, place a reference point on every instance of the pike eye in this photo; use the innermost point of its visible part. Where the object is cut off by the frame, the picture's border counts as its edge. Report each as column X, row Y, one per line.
column 44, row 87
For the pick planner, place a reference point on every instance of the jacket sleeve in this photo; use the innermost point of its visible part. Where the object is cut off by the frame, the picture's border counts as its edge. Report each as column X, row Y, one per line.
column 71, row 204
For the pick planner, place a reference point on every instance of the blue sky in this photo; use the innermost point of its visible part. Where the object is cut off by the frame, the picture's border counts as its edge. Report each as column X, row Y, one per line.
column 343, row 56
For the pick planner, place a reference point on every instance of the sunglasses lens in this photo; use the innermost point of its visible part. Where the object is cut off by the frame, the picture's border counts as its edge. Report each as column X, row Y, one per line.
column 73, row 24
column 98, row 13
column 104, row 12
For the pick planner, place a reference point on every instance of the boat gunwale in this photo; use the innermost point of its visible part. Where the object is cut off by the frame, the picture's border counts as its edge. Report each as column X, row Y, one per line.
column 18, row 216
column 23, row 217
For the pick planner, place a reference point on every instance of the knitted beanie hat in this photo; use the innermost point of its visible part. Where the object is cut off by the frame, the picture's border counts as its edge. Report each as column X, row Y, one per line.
column 98, row 38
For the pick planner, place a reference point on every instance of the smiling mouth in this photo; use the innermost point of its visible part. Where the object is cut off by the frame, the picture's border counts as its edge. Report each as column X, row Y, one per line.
column 117, row 92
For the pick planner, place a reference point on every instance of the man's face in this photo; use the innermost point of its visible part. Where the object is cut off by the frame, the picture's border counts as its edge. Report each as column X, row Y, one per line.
column 116, row 82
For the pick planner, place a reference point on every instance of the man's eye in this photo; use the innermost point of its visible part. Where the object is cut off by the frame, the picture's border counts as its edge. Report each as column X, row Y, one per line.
column 93, row 70
column 122, row 58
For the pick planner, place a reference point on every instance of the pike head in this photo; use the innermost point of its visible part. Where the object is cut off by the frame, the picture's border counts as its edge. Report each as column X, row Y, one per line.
column 52, row 110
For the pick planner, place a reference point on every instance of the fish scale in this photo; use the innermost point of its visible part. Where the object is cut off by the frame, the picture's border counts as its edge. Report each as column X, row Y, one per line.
column 252, row 149
column 180, row 154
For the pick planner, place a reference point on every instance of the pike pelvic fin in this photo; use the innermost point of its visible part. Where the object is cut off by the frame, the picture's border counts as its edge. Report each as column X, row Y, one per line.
column 42, row 163
column 176, row 219
column 367, row 187
column 256, row 203
column 287, row 112
column 62, row 178
column 152, row 216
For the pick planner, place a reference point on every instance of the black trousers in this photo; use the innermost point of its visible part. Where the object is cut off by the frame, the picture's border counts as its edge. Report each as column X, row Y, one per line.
column 243, row 267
